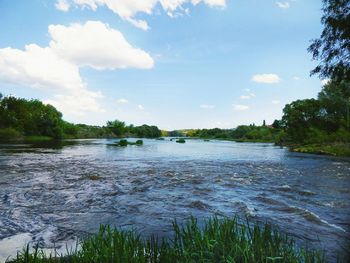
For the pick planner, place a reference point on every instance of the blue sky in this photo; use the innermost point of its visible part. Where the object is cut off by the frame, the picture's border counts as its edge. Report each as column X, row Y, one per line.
column 172, row 63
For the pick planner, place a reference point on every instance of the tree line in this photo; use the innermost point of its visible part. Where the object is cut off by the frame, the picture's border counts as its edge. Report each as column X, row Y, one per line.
column 327, row 118
column 21, row 118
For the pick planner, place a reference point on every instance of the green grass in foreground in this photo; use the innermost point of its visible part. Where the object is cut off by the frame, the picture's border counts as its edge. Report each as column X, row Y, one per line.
column 219, row 240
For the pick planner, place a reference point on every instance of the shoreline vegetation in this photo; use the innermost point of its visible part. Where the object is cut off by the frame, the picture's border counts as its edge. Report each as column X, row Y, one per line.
column 319, row 126
column 217, row 240
column 307, row 126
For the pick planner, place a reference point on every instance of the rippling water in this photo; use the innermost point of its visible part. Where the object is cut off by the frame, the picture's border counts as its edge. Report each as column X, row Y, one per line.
column 52, row 195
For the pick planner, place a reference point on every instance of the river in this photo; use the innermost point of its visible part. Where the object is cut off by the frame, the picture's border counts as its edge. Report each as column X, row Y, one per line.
column 52, row 194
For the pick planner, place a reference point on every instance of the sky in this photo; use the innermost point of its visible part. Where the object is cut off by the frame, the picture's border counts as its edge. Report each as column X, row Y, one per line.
column 172, row 63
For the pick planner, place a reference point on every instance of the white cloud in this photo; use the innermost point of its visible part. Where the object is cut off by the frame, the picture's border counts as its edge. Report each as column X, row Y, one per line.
column 140, row 107
column 96, row 45
column 283, row 5
column 213, row 3
column 296, row 78
column 266, row 78
column 128, row 9
column 42, row 68
column 244, row 97
column 62, row 5
column 122, row 101
column 38, row 67
column 238, row 107
column 205, row 106
column 56, row 68
column 77, row 103
column 276, row 102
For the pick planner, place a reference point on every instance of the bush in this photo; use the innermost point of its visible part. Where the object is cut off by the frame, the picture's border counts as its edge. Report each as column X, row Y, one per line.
column 316, row 136
column 139, row 142
column 123, row 143
column 180, row 140
column 9, row 134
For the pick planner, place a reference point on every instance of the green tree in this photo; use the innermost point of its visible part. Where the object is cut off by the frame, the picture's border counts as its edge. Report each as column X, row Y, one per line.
column 335, row 100
column 276, row 124
column 332, row 49
column 30, row 117
column 301, row 115
column 117, row 127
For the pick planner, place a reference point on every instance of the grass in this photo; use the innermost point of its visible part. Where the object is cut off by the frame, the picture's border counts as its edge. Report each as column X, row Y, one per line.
column 218, row 240
column 335, row 149
column 255, row 140
column 37, row 138
column 9, row 134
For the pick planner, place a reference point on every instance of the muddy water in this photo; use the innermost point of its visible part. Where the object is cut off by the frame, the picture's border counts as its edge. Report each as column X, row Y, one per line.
column 51, row 194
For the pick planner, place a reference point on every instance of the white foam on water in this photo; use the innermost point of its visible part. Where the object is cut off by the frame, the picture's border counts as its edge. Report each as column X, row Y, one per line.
column 287, row 187
column 10, row 245
column 307, row 213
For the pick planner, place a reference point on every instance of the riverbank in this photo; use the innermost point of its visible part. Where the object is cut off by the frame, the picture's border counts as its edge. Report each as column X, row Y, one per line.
column 332, row 149
column 218, row 240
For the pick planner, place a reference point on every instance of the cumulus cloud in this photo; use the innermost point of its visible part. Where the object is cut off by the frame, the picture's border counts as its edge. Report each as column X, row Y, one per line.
column 127, row 9
column 96, row 45
column 122, row 101
column 77, row 103
column 276, row 102
column 56, row 68
column 283, row 5
column 244, row 97
column 296, row 78
column 40, row 68
column 238, row 107
column 205, row 106
column 266, row 78
column 140, row 107
column 62, row 5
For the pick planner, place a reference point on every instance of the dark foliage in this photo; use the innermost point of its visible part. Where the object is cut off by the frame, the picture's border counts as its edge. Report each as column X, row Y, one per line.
column 332, row 49
column 22, row 118
column 326, row 119
column 30, row 117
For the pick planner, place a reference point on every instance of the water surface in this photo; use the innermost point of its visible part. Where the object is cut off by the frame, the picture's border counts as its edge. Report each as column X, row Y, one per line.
column 52, row 195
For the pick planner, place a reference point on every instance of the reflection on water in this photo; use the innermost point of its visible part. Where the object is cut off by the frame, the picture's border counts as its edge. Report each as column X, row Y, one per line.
column 55, row 193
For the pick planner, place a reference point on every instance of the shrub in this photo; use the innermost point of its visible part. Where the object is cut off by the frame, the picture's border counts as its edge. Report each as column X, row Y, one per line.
column 123, row 143
column 9, row 133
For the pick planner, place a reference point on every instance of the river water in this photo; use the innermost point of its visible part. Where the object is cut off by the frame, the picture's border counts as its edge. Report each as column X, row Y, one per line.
column 52, row 194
